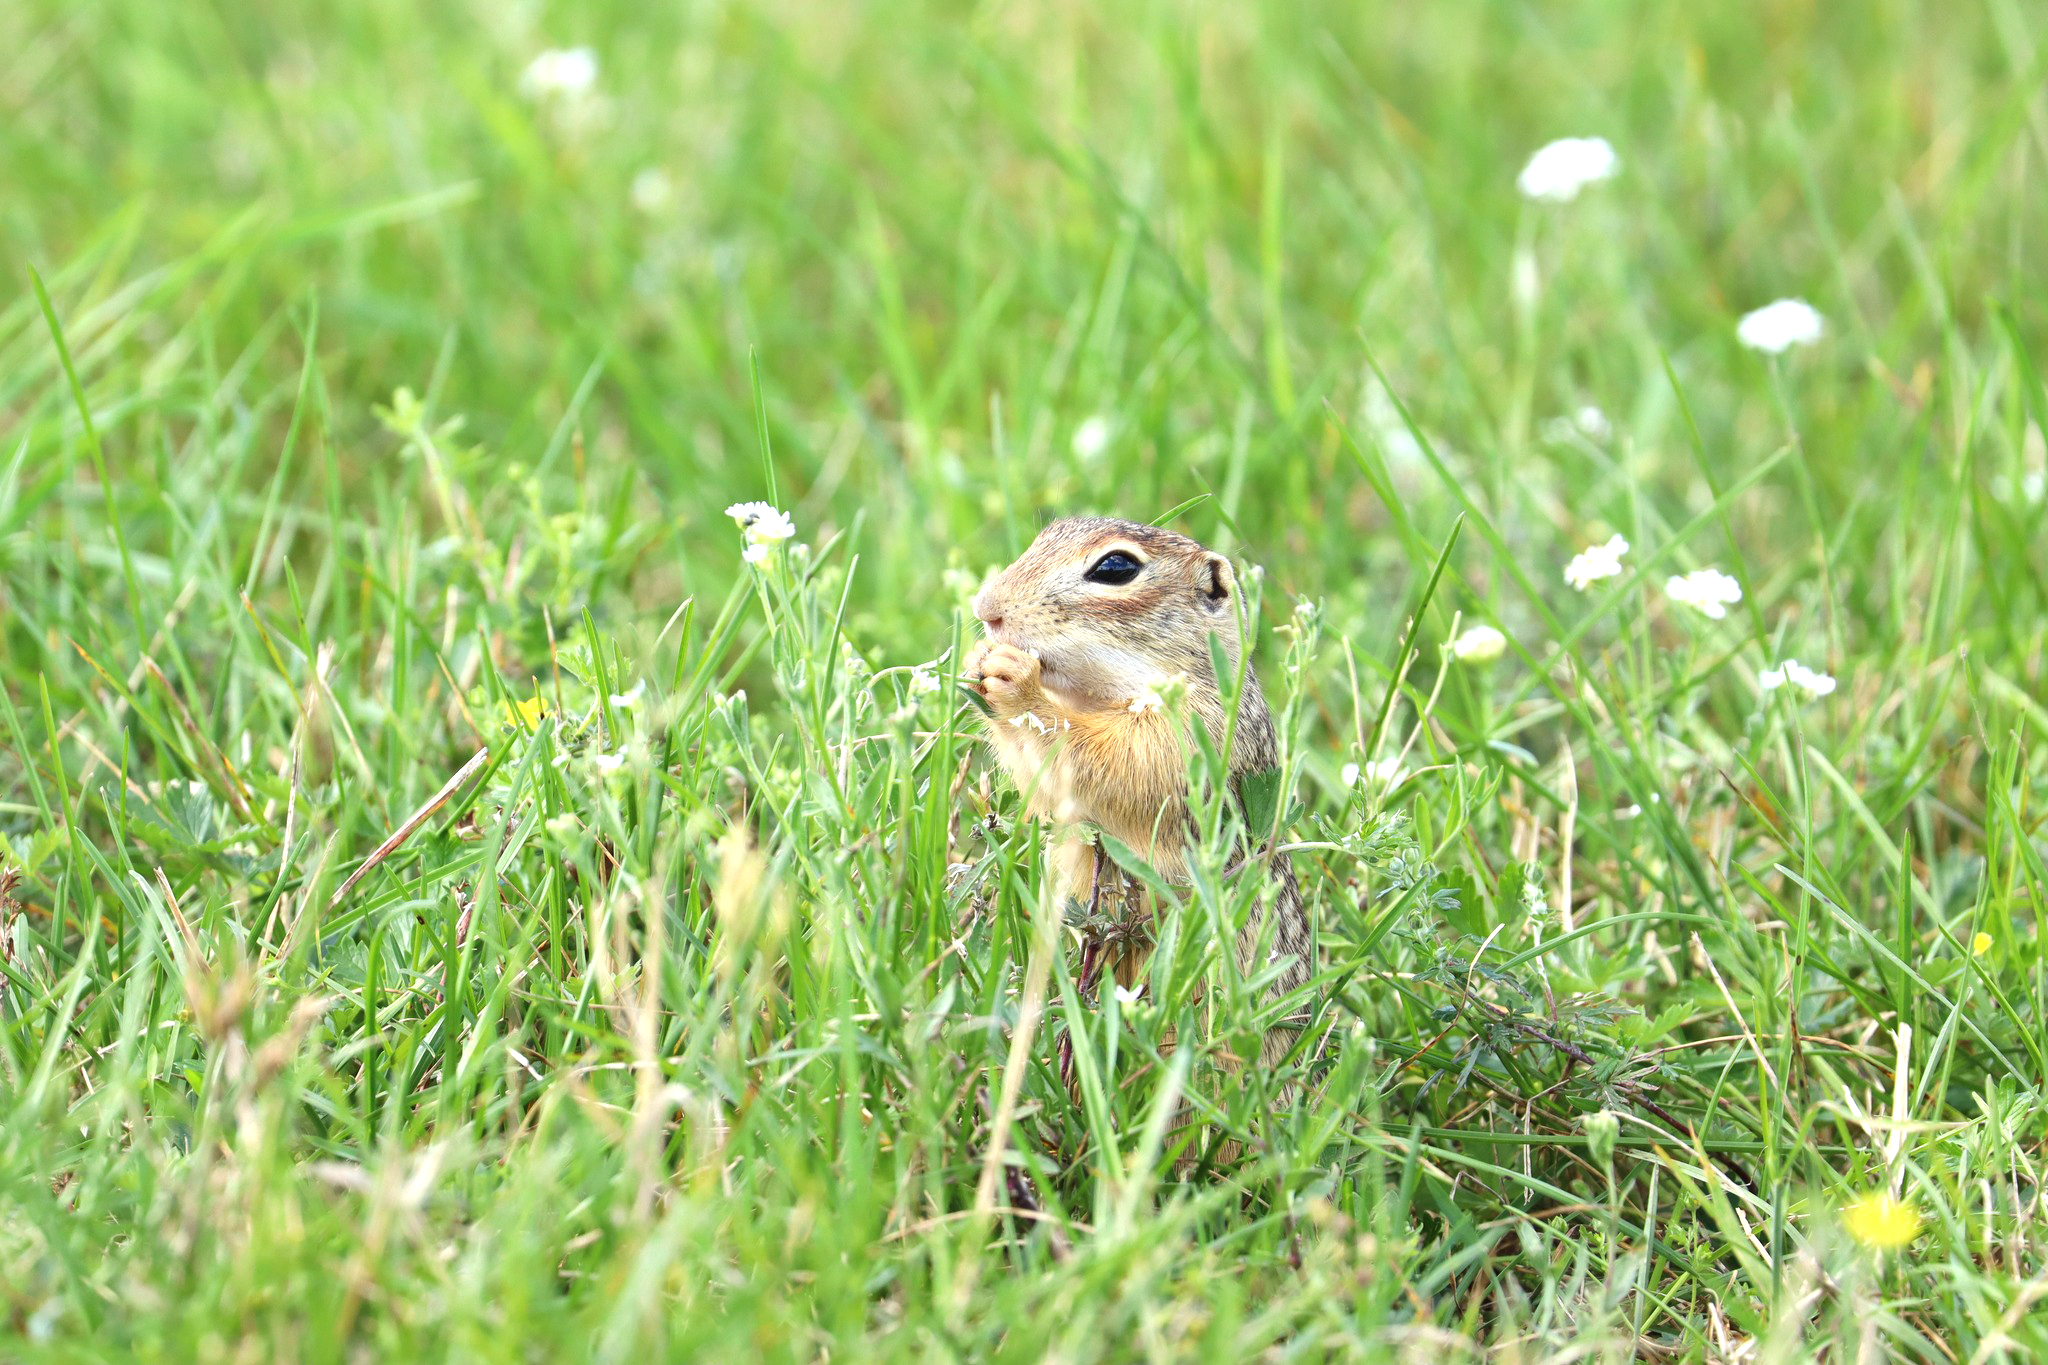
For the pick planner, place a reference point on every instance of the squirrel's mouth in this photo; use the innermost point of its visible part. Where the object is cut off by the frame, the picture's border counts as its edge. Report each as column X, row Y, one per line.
column 1049, row 670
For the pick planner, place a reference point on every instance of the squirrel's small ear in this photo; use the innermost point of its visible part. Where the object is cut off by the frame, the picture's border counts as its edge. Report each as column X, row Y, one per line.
column 1221, row 581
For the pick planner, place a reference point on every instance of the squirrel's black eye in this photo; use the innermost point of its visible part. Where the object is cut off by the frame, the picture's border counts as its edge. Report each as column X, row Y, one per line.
column 1115, row 568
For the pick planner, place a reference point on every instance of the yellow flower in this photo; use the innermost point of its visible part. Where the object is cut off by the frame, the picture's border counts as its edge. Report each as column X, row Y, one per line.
column 526, row 713
column 1980, row 945
column 1881, row 1222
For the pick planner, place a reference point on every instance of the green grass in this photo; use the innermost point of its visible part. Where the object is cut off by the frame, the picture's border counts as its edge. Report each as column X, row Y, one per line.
column 717, row 1014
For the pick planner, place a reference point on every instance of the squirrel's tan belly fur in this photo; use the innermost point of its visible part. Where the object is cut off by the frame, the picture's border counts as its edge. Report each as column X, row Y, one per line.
column 1070, row 646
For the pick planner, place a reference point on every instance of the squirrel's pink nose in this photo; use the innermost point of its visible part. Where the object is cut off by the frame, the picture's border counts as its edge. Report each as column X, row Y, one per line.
column 985, row 608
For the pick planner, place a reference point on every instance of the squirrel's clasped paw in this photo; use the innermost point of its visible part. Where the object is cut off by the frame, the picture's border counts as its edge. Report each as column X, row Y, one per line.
column 1004, row 674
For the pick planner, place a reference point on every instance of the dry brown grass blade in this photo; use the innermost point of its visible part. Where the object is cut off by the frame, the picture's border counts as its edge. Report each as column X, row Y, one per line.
column 412, row 823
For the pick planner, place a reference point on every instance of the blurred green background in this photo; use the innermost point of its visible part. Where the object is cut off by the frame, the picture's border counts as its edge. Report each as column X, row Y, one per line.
column 949, row 234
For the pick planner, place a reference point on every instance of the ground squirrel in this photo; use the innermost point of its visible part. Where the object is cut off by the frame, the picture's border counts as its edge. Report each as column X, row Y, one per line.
column 1091, row 617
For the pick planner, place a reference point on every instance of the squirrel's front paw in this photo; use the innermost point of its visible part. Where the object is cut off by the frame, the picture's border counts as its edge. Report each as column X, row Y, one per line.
column 1005, row 675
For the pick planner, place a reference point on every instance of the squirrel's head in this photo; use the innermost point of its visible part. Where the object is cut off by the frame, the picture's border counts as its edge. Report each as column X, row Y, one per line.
column 1111, row 607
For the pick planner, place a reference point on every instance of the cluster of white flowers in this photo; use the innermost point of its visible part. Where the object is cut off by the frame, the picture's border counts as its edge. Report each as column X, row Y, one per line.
column 1038, row 726
column 1478, row 645
column 1381, row 772
column 1777, row 327
column 1560, row 169
column 764, row 527
column 1709, row 591
column 762, row 521
column 1160, row 693
column 560, row 73
column 1596, row 562
column 1812, row 683
column 924, row 680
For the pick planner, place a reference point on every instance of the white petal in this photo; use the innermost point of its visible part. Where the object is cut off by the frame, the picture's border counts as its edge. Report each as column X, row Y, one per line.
column 1777, row 327
column 1559, row 170
column 1478, row 645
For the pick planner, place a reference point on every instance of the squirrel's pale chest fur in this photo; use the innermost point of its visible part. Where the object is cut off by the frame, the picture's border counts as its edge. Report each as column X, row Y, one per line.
column 1092, row 616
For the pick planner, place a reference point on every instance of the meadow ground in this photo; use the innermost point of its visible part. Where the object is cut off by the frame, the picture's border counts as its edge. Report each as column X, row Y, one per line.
column 366, row 435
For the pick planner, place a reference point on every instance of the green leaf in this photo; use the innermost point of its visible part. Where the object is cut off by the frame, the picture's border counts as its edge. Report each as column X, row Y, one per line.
column 1464, row 909
column 1127, row 858
column 1260, row 792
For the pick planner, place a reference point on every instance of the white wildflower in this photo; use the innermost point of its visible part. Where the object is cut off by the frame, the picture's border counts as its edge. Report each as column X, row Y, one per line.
column 560, row 74
column 1130, row 995
column 629, row 699
column 756, row 553
column 1381, row 772
column 1807, row 680
column 652, row 190
column 1091, row 438
column 1560, row 169
column 1479, row 645
column 924, row 680
column 610, row 763
column 1596, row 562
column 1708, row 590
column 762, row 523
column 1777, row 327
column 1159, row 694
